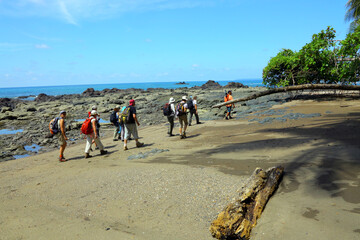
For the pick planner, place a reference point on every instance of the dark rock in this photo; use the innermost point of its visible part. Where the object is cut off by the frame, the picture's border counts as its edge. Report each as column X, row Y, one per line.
column 42, row 97
column 236, row 85
column 31, row 109
column 90, row 92
column 211, row 84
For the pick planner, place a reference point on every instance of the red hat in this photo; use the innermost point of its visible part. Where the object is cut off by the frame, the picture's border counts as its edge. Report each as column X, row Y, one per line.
column 132, row 102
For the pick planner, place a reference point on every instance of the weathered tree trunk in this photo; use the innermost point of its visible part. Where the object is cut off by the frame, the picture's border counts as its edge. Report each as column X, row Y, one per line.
column 238, row 218
column 290, row 88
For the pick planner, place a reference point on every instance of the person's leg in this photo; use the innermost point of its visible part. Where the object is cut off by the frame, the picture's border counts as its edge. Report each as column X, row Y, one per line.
column 185, row 127
column 89, row 140
column 126, row 136
column 197, row 118
column 171, row 120
column 62, row 149
column 99, row 144
column 116, row 133
column 122, row 132
column 191, row 115
column 181, row 126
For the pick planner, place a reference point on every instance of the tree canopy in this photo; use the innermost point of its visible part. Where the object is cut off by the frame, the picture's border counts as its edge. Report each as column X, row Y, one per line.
column 323, row 60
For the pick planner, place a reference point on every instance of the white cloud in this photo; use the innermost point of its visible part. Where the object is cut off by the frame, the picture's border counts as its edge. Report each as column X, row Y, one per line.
column 195, row 65
column 73, row 11
column 69, row 18
column 42, row 46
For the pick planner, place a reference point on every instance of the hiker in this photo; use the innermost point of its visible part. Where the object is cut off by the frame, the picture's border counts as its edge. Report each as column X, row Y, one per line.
column 121, row 124
column 114, row 119
column 181, row 113
column 170, row 114
column 93, row 136
column 130, row 121
column 229, row 107
column 97, row 124
column 192, row 105
column 59, row 127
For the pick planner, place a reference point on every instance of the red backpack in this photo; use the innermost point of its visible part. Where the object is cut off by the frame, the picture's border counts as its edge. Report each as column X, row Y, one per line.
column 86, row 127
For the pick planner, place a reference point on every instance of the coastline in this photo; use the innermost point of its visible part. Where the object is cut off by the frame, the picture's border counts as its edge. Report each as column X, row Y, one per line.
column 31, row 118
column 179, row 192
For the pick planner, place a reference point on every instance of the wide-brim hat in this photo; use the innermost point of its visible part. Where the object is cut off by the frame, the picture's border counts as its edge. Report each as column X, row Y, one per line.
column 94, row 112
column 184, row 98
column 172, row 100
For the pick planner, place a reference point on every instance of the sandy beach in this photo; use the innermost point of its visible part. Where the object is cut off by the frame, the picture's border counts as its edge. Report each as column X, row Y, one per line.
column 173, row 189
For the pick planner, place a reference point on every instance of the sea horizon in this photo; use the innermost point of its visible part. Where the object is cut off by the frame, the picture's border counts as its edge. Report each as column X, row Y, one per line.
column 15, row 92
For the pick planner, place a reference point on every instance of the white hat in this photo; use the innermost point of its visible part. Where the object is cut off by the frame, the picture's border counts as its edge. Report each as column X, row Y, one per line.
column 172, row 100
column 184, row 98
column 94, row 107
column 94, row 112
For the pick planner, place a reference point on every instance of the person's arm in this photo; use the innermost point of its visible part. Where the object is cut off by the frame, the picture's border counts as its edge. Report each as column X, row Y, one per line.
column 62, row 128
column 195, row 105
column 50, row 126
column 136, row 120
column 94, row 127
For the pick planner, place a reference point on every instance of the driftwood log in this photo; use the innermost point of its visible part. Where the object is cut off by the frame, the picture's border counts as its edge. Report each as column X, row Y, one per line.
column 238, row 218
column 291, row 88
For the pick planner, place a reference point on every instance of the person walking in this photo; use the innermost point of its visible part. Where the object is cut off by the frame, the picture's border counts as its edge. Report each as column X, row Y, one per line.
column 114, row 119
column 61, row 134
column 181, row 113
column 121, row 124
column 230, row 106
column 93, row 136
column 171, row 117
column 131, row 124
column 193, row 110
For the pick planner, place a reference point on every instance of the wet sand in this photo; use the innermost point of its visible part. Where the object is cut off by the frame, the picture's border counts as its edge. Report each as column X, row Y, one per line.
column 176, row 194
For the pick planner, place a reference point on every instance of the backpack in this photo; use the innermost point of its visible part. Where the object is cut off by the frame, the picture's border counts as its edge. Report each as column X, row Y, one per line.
column 125, row 116
column 190, row 104
column 86, row 127
column 113, row 118
column 180, row 109
column 167, row 109
column 54, row 126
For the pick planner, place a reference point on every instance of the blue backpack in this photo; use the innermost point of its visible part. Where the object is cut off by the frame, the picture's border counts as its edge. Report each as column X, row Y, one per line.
column 54, row 126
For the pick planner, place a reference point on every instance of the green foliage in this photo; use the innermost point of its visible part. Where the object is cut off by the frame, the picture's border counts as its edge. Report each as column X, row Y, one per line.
column 320, row 61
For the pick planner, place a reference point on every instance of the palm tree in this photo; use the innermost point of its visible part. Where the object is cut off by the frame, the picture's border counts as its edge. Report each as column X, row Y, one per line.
column 353, row 13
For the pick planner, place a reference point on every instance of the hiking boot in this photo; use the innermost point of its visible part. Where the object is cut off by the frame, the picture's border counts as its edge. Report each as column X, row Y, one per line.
column 139, row 144
column 62, row 159
column 184, row 135
column 103, row 152
column 87, row 155
column 126, row 148
column 171, row 135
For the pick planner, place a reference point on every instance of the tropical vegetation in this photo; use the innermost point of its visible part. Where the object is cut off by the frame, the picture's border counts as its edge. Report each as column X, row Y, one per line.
column 323, row 60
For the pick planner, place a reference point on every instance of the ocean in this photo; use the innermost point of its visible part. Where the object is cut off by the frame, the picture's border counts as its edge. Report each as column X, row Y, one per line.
column 77, row 89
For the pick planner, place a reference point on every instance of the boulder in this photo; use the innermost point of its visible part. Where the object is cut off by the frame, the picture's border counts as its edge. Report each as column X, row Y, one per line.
column 42, row 97
column 211, row 84
column 236, row 85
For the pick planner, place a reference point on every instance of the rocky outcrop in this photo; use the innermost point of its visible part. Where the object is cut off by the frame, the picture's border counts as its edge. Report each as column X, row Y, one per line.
column 235, row 85
column 42, row 97
column 211, row 84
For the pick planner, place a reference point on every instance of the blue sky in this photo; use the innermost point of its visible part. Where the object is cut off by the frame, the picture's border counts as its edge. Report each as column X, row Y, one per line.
column 65, row 42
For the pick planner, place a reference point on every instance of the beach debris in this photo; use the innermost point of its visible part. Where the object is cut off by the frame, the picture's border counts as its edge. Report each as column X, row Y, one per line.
column 239, row 217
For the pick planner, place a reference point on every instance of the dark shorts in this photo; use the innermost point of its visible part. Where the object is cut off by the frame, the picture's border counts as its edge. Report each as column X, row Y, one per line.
column 228, row 109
